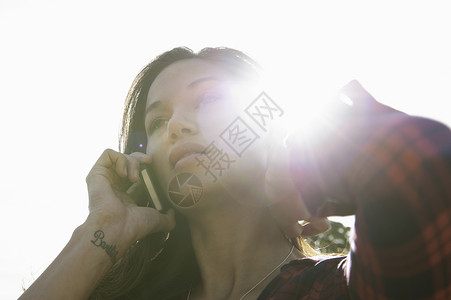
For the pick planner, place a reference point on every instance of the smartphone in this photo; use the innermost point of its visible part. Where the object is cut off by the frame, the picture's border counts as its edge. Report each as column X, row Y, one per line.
column 146, row 192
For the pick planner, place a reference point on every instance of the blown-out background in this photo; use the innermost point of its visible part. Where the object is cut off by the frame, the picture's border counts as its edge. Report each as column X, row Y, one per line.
column 66, row 66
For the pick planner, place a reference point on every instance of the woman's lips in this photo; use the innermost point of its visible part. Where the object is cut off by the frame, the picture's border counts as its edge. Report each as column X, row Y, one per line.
column 186, row 160
column 185, row 152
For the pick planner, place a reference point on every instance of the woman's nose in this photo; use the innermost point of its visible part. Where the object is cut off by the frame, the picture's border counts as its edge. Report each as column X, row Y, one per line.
column 181, row 125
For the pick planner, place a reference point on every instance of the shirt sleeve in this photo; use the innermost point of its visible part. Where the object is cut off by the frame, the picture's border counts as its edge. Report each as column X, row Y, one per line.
column 393, row 171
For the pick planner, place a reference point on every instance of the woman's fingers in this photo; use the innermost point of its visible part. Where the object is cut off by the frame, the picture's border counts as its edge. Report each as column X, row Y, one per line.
column 111, row 164
column 147, row 220
column 109, row 178
column 112, row 209
column 121, row 162
column 315, row 226
column 154, row 221
column 134, row 161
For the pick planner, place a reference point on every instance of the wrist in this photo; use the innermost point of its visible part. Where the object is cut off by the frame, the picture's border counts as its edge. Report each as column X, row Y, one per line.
column 103, row 239
column 86, row 242
column 76, row 271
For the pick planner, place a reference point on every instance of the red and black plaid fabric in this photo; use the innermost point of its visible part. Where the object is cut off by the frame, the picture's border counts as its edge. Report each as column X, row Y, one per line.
column 310, row 278
column 393, row 171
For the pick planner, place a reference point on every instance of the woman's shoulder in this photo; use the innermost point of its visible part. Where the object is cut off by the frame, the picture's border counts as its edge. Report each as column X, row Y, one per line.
column 315, row 265
column 322, row 275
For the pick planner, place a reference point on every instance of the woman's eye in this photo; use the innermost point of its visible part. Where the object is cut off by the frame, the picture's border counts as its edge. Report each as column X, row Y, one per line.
column 209, row 98
column 157, row 124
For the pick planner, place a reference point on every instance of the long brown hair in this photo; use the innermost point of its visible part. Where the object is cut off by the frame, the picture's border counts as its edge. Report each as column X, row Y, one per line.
column 162, row 265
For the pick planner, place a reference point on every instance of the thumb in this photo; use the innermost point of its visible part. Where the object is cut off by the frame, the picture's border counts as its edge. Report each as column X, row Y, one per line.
column 362, row 101
column 315, row 226
column 149, row 220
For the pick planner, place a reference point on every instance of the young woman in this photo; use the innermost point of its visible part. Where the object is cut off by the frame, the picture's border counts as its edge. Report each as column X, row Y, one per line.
column 237, row 197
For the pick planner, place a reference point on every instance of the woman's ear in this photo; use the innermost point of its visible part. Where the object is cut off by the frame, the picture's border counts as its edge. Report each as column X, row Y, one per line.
column 287, row 212
column 293, row 217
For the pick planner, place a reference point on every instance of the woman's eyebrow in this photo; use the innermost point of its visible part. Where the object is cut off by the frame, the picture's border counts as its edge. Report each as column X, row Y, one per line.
column 200, row 80
column 153, row 106
column 157, row 104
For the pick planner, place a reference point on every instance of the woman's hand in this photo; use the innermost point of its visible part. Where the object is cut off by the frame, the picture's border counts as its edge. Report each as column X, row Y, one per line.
column 113, row 225
column 322, row 160
column 112, row 210
column 328, row 162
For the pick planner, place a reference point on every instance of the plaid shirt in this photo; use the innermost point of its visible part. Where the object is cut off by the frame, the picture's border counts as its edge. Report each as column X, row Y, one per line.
column 393, row 171
column 310, row 278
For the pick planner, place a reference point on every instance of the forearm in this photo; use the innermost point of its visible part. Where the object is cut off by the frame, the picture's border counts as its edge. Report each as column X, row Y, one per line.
column 76, row 271
column 403, row 200
column 113, row 225
column 396, row 178
column 393, row 171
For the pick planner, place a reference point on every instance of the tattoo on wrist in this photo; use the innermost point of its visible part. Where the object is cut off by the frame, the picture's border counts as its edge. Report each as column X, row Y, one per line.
column 111, row 250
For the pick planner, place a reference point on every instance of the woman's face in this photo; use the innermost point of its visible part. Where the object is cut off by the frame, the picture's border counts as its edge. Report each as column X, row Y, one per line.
column 191, row 119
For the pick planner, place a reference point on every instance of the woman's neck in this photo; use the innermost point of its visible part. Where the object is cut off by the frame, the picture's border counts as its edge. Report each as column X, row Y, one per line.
column 236, row 246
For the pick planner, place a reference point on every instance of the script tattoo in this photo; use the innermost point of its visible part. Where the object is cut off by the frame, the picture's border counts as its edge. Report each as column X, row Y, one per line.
column 109, row 249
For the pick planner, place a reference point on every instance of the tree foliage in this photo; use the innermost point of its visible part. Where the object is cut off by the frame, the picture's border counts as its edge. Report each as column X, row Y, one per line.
column 335, row 240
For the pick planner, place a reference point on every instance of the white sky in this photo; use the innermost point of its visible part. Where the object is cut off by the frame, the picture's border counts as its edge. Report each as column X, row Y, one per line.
column 65, row 69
